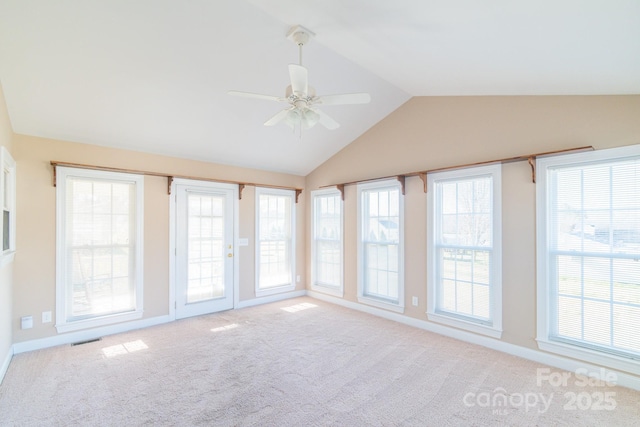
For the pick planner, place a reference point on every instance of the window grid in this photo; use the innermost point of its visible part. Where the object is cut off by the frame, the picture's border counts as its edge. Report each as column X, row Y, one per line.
column 380, row 243
column 205, row 273
column 327, row 235
column 594, row 253
column 464, row 247
column 101, row 247
column 275, row 246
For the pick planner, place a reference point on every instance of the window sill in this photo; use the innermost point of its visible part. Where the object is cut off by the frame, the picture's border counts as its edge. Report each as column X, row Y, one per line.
column 465, row 325
column 274, row 290
column 591, row 356
column 381, row 304
column 77, row 325
column 329, row 290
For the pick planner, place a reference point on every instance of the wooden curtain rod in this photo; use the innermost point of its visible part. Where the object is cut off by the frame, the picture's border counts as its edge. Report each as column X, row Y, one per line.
column 170, row 177
column 423, row 174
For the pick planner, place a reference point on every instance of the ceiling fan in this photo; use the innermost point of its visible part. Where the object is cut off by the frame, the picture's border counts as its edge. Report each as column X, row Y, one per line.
column 301, row 97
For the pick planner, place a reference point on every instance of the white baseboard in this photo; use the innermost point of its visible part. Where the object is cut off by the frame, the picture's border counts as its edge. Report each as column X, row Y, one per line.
column 88, row 334
column 5, row 363
column 271, row 298
column 94, row 333
column 624, row 379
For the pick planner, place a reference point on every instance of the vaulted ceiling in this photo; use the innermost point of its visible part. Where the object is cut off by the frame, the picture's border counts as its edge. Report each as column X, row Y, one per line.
column 153, row 75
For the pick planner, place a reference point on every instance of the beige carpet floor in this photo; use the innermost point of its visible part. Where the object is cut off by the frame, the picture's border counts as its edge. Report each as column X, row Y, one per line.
column 300, row 362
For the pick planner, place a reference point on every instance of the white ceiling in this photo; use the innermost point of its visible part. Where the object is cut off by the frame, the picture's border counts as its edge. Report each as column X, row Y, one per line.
column 153, row 75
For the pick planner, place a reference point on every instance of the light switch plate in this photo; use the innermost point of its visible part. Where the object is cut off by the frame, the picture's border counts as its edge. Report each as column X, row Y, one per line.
column 46, row 317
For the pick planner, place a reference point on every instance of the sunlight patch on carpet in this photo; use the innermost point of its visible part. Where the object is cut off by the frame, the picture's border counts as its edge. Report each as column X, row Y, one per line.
column 299, row 307
column 126, row 348
column 225, row 328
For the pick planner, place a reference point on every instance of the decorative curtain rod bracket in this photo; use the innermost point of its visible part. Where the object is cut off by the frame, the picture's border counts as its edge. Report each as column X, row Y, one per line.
column 532, row 163
column 169, row 183
column 401, row 179
column 423, row 178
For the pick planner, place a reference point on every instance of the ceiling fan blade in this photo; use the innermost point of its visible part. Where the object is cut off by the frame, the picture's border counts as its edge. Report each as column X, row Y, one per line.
column 343, row 99
column 256, row 95
column 299, row 80
column 280, row 116
column 325, row 120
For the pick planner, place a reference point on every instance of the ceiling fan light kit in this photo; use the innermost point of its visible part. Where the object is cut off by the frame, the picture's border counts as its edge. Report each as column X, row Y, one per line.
column 301, row 97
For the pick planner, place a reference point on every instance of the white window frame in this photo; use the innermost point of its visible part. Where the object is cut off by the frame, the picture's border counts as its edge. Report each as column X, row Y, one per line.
column 316, row 285
column 544, row 315
column 362, row 297
column 63, row 324
column 286, row 287
column 493, row 328
column 8, row 192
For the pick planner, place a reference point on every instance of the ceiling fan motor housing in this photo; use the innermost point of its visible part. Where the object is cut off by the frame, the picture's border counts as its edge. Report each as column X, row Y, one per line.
column 300, row 100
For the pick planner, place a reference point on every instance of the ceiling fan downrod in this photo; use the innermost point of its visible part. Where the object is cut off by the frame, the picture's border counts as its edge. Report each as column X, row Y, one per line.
column 300, row 36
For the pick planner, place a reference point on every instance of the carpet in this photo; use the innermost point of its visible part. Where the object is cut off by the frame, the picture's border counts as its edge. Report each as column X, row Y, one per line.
column 300, row 362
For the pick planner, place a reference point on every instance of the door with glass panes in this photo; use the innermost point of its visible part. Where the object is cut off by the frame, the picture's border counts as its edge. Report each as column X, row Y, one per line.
column 204, row 247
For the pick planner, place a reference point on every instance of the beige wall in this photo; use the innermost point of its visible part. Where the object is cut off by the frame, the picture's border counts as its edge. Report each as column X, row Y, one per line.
column 6, row 277
column 34, row 266
column 432, row 132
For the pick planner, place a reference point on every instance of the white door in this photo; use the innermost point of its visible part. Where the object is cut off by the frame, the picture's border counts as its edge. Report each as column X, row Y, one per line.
column 204, row 247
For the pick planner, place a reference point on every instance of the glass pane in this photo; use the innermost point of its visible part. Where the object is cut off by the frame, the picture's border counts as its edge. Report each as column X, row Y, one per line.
column 570, row 317
column 100, row 282
column 626, row 320
column 274, row 231
column 481, row 301
column 381, row 271
column 205, row 247
column 626, row 281
column 569, row 277
column 597, row 322
column 595, row 210
column 448, row 302
column 100, row 246
column 381, row 235
column 6, row 236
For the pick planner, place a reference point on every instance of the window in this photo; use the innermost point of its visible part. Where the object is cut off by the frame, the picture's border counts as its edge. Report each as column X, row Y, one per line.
column 275, row 252
column 8, row 199
column 99, row 248
column 589, row 255
column 464, row 249
column 381, row 241
column 327, row 242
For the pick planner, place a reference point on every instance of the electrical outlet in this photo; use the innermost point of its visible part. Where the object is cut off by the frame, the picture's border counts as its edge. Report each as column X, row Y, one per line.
column 414, row 301
column 26, row 322
column 298, row 278
column 46, row 317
